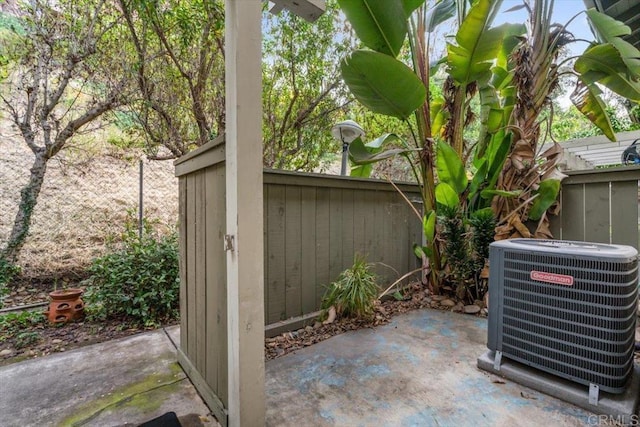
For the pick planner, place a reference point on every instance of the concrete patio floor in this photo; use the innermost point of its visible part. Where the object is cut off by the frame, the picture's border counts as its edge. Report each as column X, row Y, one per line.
column 419, row 370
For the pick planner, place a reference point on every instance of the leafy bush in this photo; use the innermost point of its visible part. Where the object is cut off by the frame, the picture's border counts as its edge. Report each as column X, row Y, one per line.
column 138, row 283
column 7, row 272
column 483, row 226
column 466, row 248
column 355, row 291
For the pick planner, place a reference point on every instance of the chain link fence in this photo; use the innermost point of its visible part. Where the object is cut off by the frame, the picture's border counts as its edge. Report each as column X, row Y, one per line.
column 84, row 204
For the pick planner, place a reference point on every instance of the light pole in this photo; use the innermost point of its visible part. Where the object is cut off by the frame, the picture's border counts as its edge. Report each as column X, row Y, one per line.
column 346, row 132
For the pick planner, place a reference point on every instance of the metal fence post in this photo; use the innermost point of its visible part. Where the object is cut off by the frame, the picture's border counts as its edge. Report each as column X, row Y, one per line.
column 141, row 200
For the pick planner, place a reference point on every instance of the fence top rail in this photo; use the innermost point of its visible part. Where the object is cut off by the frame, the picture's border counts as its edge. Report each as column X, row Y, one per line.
column 272, row 176
column 623, row 173
column 192, row 162
column 200, row 150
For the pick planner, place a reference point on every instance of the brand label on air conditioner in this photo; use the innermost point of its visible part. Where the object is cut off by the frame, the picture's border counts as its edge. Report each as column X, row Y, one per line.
column 557, row 279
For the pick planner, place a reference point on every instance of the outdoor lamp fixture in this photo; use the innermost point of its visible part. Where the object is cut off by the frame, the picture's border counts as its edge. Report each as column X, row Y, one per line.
column 346, row 132
column 309, row 10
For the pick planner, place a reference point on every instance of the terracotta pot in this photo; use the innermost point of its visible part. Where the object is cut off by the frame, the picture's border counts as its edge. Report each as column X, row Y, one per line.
column 65, row 306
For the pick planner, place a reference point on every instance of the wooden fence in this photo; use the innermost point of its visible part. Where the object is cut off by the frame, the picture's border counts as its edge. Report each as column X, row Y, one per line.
column 313, row 226
column 203, row 273
column 599, row 206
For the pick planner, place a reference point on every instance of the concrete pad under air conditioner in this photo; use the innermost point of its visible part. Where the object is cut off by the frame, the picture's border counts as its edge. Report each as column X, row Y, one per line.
column 620, row 407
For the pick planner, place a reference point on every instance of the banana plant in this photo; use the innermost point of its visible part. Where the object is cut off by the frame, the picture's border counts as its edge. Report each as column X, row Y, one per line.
column 383, row 83
column 522, row 91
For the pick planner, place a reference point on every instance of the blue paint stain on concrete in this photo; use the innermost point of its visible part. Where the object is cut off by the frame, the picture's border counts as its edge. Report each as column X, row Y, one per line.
column 481, row 323
column 445, row 331
column 426, row 417
column 333, row 380
column 318, row 371
column 327, row 413
column 489, row 395
column 423, row 325
column 401, row 351
column 372, row 371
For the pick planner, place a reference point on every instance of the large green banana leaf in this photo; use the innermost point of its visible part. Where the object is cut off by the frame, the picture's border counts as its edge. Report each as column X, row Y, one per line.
column 439, row 13
column 446, row 196
column 383, row 84
column 547, row 194
column 450, row 168
column 411, row 5
column 586, row 98
column 603, row 64
column 609, row 30
column 381, row 25
column 476, row 43
column 371, row 152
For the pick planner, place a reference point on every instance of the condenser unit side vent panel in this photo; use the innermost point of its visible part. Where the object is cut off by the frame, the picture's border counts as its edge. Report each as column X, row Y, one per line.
column 568, row 308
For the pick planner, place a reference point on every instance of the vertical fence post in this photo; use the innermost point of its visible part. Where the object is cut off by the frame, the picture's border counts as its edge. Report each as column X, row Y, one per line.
column 141, row 200
column 244, row 222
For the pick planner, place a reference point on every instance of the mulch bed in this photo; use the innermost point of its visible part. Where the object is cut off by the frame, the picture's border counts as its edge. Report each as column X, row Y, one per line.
column 417, row 297
column 45, row 338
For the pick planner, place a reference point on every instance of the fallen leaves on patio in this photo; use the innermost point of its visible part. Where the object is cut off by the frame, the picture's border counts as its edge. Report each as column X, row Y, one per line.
column 416, row 297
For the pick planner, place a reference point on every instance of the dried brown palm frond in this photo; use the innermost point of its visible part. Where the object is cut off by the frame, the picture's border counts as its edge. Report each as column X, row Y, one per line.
column 536, row 76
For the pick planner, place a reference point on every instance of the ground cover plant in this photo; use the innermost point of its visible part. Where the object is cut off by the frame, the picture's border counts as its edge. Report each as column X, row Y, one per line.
column 8, row 271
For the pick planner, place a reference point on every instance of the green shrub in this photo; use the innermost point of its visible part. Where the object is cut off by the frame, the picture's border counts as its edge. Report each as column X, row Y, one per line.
column 355, row 291
column 8, row 271
column 466, row 247
column 483, row 231
column 138, row 283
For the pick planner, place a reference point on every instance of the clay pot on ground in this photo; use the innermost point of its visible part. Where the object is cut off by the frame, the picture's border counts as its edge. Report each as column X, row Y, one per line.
column 65, row 306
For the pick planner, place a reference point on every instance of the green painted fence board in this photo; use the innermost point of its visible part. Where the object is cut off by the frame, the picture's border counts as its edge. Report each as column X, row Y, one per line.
column 624, row 202
column 308, row 249
column 293, row 252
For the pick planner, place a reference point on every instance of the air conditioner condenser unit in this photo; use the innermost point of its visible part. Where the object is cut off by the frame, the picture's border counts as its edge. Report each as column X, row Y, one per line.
column 565, row 308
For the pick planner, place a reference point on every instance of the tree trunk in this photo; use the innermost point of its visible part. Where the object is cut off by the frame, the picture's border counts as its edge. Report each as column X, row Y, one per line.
column 28, row 199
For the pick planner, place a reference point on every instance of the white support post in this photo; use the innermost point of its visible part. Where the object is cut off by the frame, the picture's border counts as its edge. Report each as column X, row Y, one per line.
column 245, row 262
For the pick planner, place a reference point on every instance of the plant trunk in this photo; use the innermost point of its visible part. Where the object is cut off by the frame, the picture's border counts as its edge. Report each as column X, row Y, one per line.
column 28, row 199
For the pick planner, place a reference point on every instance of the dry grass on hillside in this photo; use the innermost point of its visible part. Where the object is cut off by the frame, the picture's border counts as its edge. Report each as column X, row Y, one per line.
column 83, row 203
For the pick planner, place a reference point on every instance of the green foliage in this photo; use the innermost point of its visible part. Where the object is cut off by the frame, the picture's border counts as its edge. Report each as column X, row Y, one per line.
column 450, row 167
column 611, row 62
column 367, row 75
column 139, row 282
column 483, row 224
column 355, row 291
column 382, row 26
column 546, row 196
column 302, row 95
column 176, row 50
column 8, row 271
column 466, row 248
column 11, row 23
column 571, row 124
column 455, row 245
column 25, row 339
column 13, row 324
